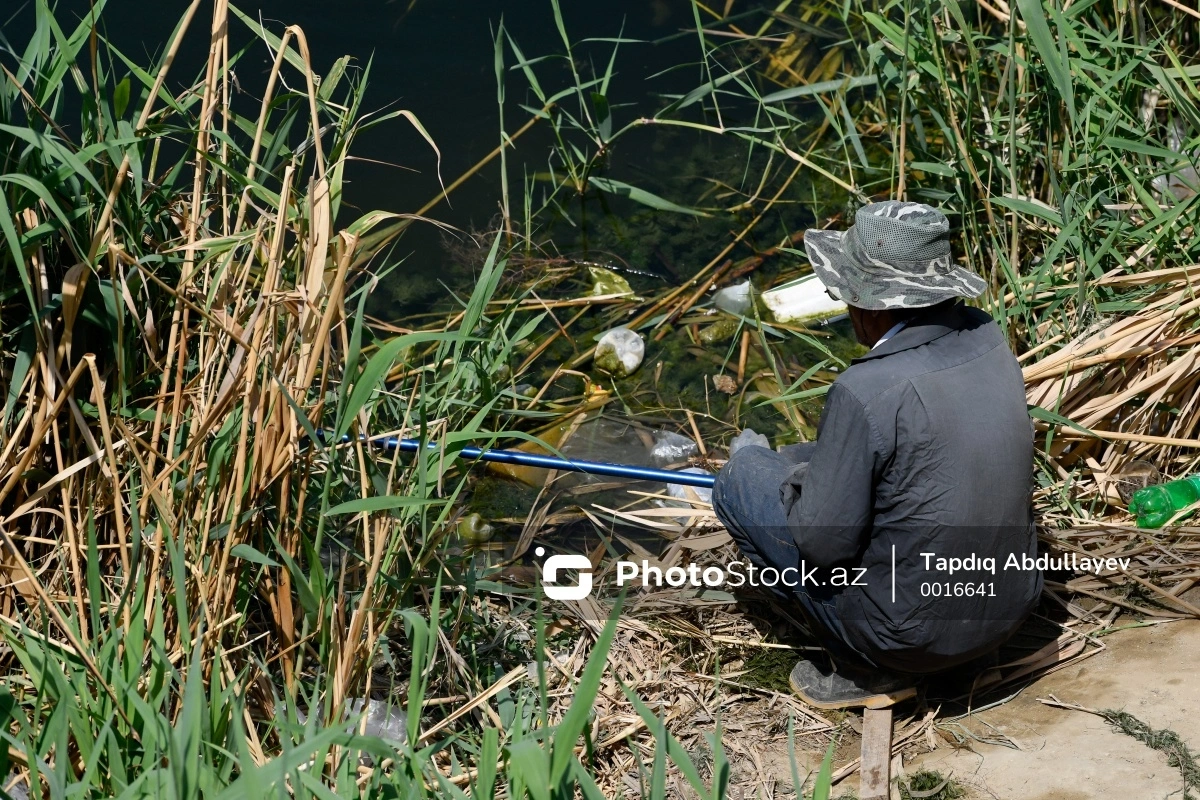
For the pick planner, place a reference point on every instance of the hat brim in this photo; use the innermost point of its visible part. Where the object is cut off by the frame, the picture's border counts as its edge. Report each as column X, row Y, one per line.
column 874, row 285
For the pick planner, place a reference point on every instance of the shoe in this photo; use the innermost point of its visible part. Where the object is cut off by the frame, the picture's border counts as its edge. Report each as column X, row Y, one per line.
column 830, row 688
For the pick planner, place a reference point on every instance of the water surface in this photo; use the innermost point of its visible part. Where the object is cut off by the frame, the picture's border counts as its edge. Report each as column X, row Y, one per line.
column 436, row 59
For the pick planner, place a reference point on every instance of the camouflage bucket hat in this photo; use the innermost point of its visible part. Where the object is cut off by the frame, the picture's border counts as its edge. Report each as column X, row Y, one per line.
column 895, row 255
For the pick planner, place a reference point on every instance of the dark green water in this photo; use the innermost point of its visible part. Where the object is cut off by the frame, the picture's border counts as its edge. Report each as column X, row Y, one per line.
column 436, row 59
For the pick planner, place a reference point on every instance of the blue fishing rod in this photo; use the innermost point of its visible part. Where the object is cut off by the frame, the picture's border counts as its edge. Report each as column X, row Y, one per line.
column 522, row 459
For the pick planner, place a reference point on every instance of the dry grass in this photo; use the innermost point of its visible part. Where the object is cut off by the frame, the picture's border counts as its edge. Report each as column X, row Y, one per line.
column 164, row 510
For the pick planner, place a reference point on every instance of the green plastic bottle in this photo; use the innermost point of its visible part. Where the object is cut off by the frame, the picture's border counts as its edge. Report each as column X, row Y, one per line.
column 1155, row 505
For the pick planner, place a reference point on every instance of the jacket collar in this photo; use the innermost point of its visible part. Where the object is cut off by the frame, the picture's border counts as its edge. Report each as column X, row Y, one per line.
column 922, row 329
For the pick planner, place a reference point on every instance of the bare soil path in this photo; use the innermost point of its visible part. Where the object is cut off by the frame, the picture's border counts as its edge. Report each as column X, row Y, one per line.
column 1151, row 673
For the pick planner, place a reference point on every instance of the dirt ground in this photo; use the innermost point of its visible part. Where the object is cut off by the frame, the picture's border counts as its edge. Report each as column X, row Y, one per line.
column 1070, row 755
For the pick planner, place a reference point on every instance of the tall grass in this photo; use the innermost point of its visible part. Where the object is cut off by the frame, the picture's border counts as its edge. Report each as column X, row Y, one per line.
column 1054, row 133
column 196, row 590
column 1064, row 138
column 1061, row 139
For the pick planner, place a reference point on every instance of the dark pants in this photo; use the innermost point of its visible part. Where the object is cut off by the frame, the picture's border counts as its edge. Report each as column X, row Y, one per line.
column 746, row 499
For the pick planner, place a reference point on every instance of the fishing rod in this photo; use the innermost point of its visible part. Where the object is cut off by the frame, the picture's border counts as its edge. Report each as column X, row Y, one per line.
column 523, row 459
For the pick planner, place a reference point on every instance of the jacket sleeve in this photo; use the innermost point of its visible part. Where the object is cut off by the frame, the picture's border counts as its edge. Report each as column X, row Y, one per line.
column 828, row 501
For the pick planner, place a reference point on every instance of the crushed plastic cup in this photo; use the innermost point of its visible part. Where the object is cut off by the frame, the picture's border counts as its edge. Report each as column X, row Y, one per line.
column 672, row 448
column 620, row 352
column 735, row 299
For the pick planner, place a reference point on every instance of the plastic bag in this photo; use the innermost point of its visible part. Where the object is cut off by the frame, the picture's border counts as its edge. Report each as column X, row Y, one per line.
column 746, row 438
column 734, row 299
column 689, row 493
column 671, row 448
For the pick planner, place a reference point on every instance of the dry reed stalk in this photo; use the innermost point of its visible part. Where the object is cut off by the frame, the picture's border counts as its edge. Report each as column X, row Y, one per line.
column 1157, row 353
column 251, row 308
column 269, row 347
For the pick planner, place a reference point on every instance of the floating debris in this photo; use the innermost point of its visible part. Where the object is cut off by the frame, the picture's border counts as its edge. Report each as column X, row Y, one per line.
column 724, row 384
column 533, row 476
column 747, row 438
column 672, row 448
column 691, row 494
column 474, row 530
column 620, row 352
column 606, row 283
column 736, row 299
column 802, row 300
column 720, row 331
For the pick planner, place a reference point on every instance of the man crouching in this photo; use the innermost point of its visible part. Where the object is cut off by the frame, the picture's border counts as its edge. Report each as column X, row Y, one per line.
column 924, row 455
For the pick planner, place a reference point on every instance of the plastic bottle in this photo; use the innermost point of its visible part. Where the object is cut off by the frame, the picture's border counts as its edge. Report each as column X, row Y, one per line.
column 1154, row 506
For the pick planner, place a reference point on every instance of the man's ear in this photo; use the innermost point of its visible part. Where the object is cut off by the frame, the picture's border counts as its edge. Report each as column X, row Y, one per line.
column 857, row 323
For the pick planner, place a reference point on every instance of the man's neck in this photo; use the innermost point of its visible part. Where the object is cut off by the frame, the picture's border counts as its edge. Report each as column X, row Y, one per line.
column 890, row 333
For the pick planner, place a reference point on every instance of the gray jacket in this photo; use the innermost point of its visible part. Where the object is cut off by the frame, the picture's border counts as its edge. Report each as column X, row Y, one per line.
column 924, row 451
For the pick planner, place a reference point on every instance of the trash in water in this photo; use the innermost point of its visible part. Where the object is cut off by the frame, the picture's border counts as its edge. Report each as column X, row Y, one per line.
column 606, row 282
column 802, row 300
column 611, row 440
column 734, row 299
column 672, row 448
column 474, row 530
column 746, row 438
column 725, row 384
column 691, row 493
column 532, row 476
column 720, row 331
column 620, row 352
column 686, row 497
